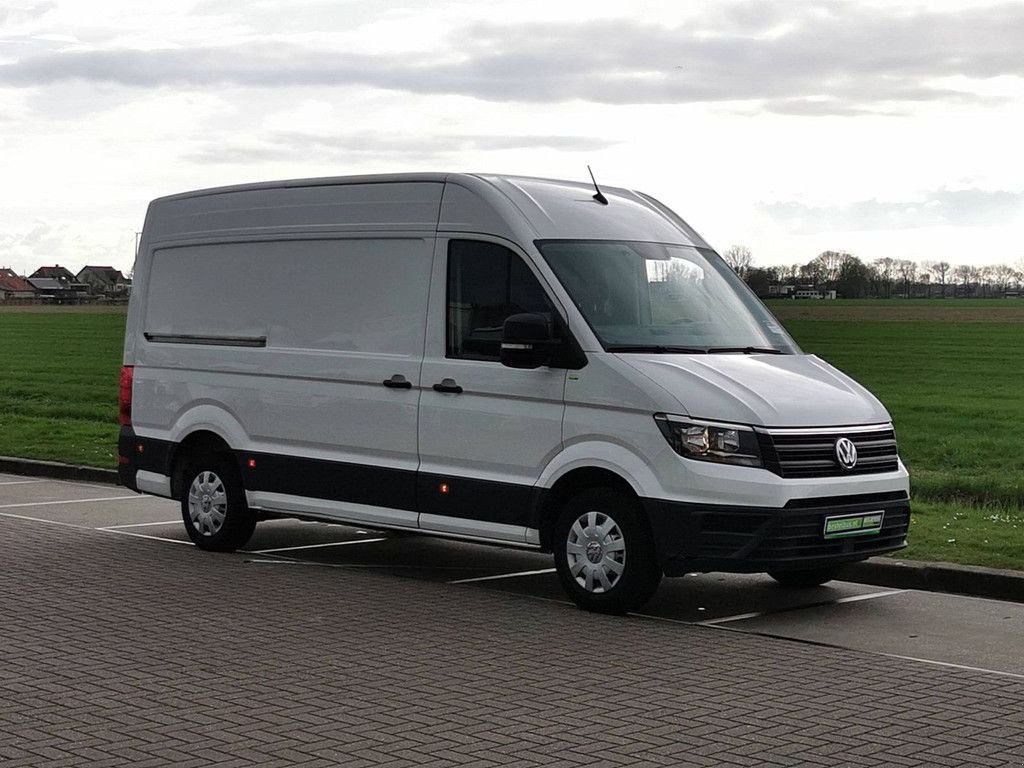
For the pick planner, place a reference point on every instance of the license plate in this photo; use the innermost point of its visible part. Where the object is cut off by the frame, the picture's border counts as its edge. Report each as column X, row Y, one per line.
column 839, row 526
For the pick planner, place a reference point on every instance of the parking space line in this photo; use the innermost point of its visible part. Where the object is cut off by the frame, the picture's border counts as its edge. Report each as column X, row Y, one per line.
column 67, row 501
column 503, row 576
column 850, row 599
column 82, row 484
column 822, row 644
column 144, row 536
column 44, row 520
column 955, row 666
column 313, row 546
column 176, row 521
column 20, row 482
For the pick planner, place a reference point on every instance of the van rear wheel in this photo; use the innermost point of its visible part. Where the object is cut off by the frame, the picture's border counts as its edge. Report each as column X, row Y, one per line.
column 213, row 505
column 604, row 552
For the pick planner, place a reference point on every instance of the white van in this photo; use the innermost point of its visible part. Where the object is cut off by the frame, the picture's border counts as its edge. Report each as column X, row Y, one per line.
column 508, row 360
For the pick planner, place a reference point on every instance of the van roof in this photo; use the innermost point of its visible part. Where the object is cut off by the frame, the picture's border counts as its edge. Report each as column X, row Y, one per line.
column 492, row 203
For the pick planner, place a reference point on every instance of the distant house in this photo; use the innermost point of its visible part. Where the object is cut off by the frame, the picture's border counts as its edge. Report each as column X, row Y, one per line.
column 59, row 285
column 104, row 281
column 14, row 288
column 56, row 272
column 54, row 291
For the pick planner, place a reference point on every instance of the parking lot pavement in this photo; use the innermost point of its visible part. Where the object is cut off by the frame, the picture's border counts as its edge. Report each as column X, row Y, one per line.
column 329, row 645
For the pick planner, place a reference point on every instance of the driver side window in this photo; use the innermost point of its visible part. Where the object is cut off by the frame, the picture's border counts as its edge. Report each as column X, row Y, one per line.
column 486, row 283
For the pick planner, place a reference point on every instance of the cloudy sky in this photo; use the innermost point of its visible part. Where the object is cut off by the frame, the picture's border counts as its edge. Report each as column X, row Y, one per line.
column 881, row 128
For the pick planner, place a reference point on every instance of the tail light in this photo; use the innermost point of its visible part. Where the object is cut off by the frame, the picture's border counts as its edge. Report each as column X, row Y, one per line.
column 124, row 405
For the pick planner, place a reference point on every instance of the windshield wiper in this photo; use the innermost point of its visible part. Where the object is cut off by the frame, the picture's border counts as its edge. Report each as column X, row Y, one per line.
column 657, row 348
column 747, row 350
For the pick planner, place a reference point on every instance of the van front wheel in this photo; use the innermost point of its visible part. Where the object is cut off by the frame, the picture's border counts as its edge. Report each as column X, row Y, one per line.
column 604, row 552
column 213, row 505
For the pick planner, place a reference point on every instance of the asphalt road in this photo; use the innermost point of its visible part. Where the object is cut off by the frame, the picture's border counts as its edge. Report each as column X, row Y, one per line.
column 329, row 645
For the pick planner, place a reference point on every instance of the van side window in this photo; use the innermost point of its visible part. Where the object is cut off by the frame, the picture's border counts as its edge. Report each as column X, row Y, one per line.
column 486, row 283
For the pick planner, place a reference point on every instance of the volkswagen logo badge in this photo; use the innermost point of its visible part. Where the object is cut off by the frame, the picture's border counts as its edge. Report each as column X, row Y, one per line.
column 846, row 453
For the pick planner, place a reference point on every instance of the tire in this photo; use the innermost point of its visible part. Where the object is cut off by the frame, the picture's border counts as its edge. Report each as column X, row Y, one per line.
column 213, row 505
column 604, row 552
column 805, row 579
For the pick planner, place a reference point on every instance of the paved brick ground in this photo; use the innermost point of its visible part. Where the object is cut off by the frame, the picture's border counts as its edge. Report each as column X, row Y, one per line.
column 115, row 651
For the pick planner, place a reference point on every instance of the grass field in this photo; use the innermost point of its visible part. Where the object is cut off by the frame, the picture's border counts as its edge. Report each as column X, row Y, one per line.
column 954, row 386
column 59, row 373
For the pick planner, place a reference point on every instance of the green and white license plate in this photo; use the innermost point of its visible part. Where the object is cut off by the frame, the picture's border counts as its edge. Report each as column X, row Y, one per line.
column 840, row 526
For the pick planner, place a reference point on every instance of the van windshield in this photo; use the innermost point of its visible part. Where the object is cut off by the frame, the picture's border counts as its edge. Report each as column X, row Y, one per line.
column 655, row 297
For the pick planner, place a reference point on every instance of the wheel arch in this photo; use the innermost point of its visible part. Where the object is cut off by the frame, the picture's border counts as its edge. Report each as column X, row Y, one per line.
column 570, row 484
column 195, row 443
column 589, row 463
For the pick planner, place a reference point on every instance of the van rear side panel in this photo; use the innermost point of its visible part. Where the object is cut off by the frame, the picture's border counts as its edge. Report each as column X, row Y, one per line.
column 281, row 348
column 346, row 296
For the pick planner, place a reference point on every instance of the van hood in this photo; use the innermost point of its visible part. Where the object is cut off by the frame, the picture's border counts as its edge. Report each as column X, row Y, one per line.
column 762, row 390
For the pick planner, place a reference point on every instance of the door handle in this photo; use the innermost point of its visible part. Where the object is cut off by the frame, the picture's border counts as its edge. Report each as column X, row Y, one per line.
column 398, row 381
column 448, row 385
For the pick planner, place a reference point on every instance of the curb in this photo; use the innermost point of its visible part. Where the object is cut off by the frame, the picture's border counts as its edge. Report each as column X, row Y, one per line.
column 57, row 470
column 970, row 580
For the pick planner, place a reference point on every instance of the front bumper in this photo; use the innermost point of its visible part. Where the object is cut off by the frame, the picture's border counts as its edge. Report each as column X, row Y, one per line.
column 700, row 538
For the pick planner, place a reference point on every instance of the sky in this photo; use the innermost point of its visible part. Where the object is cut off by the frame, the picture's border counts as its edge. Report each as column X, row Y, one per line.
column 885, row 129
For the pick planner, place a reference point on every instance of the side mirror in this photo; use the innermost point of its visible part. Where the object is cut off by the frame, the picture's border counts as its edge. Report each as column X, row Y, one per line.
column 528, row 340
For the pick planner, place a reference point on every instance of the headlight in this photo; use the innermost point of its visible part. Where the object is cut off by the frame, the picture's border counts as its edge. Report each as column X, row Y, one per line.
column 706, row 441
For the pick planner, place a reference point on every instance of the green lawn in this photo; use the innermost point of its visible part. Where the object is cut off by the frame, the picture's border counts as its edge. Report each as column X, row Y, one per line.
column 59, row 374
column 955, row 389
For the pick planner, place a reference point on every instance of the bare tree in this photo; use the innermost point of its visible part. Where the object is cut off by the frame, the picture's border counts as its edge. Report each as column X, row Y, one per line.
column 1003, row 276
column 940, row 269
column 828, row 264
column 964, row 274
column 907, row 271
column 739, row 258
column 885, row 269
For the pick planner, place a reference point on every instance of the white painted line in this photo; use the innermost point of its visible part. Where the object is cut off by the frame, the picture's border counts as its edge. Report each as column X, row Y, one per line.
column 850, row 599
column 144, row 536
column 69, row 501
column 737, row 617
column 44, row 520
column 947, row 664
column 313, row 546
column 503, row 576
column 140, row 525
column 869, row 596
column 955, row 666
column 284, row 562
column 82, row 484
column 20, row 482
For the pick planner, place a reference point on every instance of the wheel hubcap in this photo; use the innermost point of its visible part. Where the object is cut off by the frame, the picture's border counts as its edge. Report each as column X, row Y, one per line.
column 207, row 503
column 596, row 552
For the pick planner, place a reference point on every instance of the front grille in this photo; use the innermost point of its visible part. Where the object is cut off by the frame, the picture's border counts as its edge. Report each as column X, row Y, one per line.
column 813, row 453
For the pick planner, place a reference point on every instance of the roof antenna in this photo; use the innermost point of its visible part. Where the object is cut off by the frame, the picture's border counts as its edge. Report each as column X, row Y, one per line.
column 599, row 196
